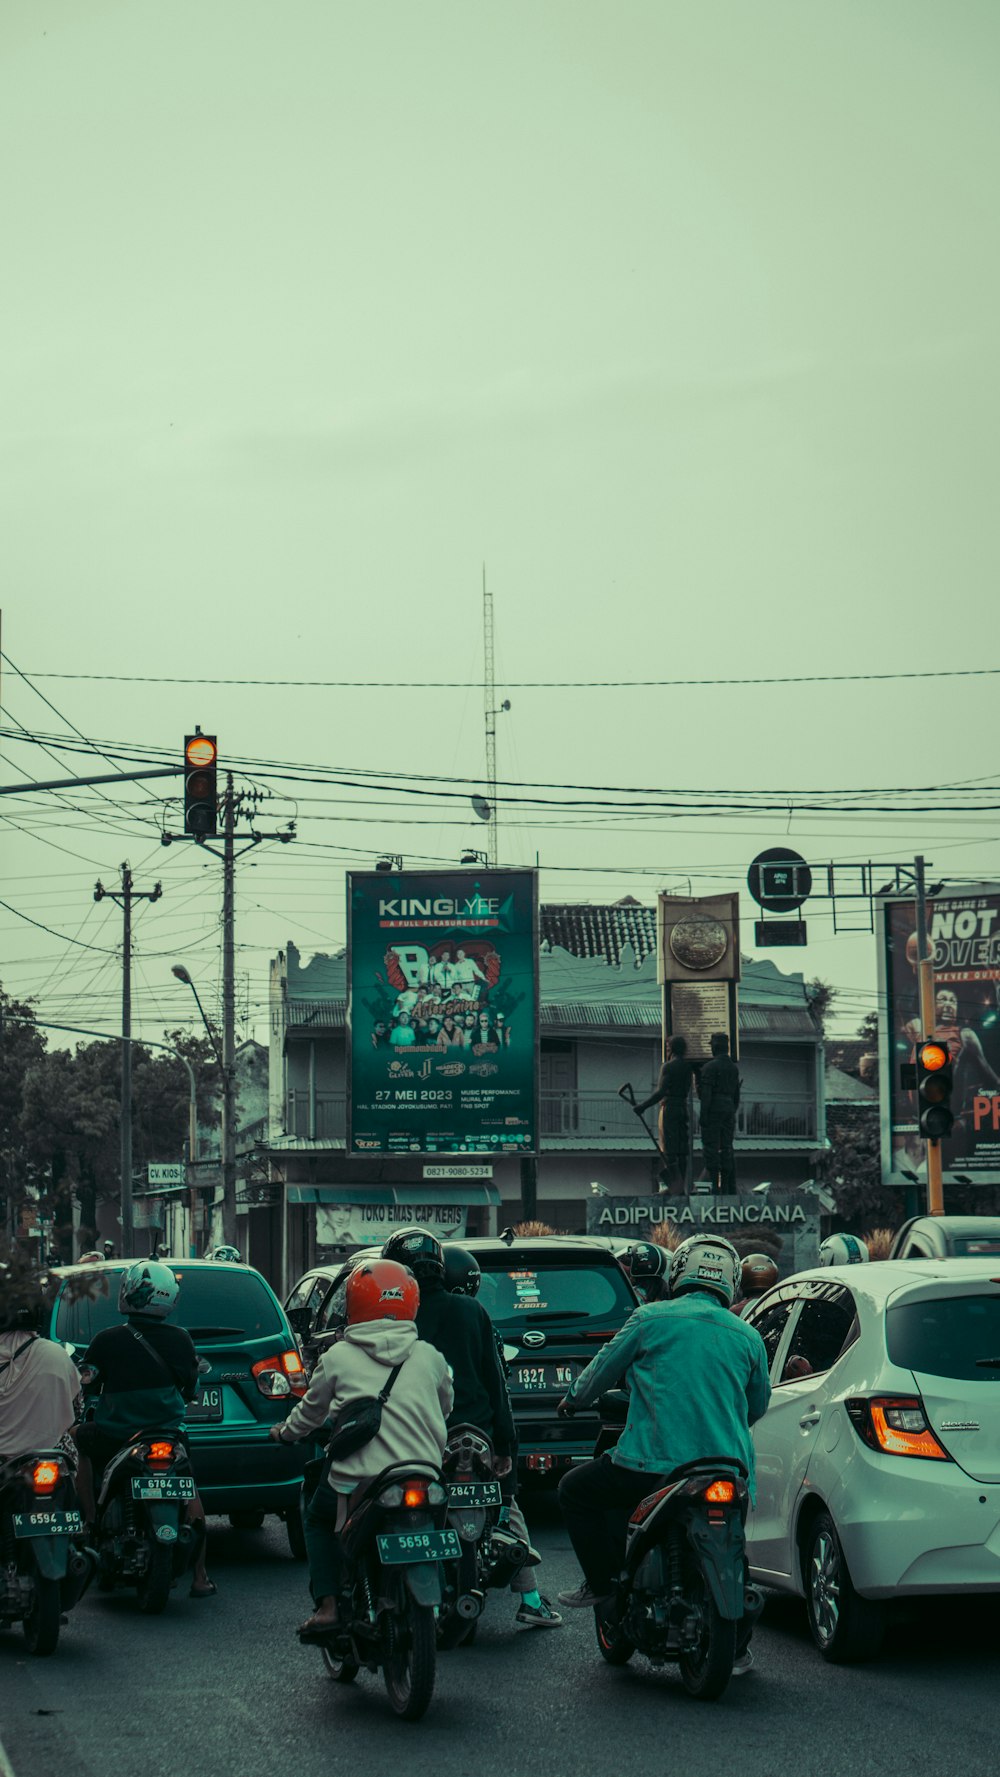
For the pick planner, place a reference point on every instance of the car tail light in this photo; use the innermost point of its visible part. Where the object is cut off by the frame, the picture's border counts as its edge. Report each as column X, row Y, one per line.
column 895, row 1425
column 280, row 1376
column 45, row 1477
column 721, row 1493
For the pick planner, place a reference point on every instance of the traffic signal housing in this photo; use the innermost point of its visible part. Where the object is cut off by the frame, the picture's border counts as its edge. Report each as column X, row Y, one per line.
column 201, row 754
column 935, row 1082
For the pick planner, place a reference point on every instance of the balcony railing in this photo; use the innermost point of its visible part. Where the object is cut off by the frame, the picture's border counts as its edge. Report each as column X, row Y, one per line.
column 580, row 1117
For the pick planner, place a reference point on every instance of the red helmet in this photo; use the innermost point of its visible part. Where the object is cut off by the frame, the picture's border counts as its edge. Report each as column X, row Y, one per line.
column 380, row 1289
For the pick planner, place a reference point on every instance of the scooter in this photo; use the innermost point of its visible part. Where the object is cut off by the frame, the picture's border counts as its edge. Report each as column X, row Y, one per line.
column 682, row 1595
column 44, row 1566
column 142, row 1536
column 397, row 1548
column 474, row 1507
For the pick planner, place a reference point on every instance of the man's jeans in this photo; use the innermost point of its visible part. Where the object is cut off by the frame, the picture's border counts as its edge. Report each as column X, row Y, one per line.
column 596, row 1500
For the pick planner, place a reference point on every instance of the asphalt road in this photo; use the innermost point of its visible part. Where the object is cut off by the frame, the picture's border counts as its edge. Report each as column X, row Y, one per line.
column 222, row 1687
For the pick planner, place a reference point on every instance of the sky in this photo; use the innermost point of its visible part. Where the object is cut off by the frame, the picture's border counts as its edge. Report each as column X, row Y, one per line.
column 678, row 324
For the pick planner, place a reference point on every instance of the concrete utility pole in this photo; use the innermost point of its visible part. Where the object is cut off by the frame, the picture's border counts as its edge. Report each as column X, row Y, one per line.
column 124, row 897
column 928, row 1020
column 228, row 1019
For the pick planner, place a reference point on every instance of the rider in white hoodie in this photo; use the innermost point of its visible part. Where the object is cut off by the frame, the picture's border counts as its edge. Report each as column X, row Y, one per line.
column 382, row 1301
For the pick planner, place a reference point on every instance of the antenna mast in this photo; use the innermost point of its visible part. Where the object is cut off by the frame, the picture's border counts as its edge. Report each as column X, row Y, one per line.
column 489, row 702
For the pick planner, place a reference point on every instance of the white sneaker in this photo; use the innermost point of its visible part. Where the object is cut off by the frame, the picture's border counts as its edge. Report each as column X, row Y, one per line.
column 743, row 1664
column 583, row 1598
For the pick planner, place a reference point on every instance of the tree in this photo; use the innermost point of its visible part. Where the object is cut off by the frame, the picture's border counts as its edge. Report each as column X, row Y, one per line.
column 821, row 997
column 21, row 1046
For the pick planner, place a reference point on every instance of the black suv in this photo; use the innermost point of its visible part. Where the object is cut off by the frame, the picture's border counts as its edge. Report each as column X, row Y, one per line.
column 555, row 1300
column 947, row 1237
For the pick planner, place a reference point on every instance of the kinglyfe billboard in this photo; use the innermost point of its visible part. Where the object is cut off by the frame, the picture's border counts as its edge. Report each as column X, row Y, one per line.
column 443, row 1012
column 964, row 932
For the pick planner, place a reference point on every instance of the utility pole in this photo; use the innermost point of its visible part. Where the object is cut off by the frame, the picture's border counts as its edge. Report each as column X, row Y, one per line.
column 124, row 897
column 928, row 1019
column 228, row 1018
column 490, row 713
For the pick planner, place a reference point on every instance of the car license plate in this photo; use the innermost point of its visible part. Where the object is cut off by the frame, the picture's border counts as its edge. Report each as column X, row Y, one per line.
column 474, row 1493
column 47, row 1523
column 207, row 1405
column 548, row 1378
column 419, row 1545
column 162, row 1487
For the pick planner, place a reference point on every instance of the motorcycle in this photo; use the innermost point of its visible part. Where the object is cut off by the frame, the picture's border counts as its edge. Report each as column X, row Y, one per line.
column 474, row 1510
column 141, row 1535
column 44, row 1566
column 396, row 1544
column 682, row 1593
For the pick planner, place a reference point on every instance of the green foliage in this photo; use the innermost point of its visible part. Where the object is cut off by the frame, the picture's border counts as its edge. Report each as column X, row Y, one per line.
column 821, row 997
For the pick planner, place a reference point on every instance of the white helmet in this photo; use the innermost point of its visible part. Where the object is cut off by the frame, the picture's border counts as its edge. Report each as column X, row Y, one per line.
column 148, row 1288
column 228, row 1255
column 843, row 1249
column 706, row 1262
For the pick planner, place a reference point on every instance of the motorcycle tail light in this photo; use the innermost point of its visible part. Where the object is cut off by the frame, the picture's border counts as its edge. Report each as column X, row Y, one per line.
column 45, row 1477
column 161, row 1454
column 721, row 1493
column 391, row 1496
column 270, row 1377
column 895, row 1425
column 415, row 1494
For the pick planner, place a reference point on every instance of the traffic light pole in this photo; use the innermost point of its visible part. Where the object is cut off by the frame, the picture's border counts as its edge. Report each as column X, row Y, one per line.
column 928, row 1019
column 228, row 1018
column 124, row 898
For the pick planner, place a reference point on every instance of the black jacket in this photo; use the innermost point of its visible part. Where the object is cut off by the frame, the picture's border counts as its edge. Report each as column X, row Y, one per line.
column 460, row 1328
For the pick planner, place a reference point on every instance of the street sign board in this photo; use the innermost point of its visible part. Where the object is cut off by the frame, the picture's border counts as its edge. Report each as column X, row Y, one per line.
column 447, row 1172
column 778, row 933
column 164, row 1178
column 779, row 880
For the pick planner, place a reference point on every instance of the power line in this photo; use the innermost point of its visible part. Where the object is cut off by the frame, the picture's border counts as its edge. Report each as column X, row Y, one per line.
column 972, row 672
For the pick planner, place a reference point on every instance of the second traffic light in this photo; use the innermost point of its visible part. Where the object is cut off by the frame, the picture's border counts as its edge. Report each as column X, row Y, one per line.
column 201, row 797
column 935, row 1080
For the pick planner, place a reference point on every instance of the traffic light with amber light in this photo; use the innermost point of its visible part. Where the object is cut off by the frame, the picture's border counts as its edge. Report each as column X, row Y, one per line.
column 200, row 792
column 935, row 1080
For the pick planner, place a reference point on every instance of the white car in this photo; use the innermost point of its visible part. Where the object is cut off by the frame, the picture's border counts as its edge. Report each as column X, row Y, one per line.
column 878, row 1459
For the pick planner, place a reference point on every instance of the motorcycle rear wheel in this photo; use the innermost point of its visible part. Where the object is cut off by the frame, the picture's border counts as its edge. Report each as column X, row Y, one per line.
column 706, row 1672
column 153, row 1589
column 41, row 1625
column 615, row 1646
column 453, row 1630
column 409, row 1659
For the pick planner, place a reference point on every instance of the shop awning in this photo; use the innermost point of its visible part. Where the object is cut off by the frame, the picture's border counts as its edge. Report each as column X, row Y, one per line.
column 462, row 1191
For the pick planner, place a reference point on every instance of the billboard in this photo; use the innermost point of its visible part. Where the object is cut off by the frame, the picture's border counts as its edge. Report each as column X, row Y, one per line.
column 964, row 933
column 442, row 1040
column 370, row 1224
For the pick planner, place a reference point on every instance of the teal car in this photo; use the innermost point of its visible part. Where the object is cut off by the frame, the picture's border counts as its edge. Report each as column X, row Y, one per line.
column 251, row 1377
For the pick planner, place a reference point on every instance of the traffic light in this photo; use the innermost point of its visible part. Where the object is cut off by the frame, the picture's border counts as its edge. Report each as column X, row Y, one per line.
column 935, row 1079
column 200, row 794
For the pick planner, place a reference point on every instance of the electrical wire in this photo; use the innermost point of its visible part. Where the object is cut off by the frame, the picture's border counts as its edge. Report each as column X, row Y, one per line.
column 972, row 672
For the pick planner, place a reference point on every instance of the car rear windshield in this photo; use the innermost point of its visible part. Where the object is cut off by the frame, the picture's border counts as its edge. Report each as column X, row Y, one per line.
column 954, row 1336
column 221, row 1302
column 974, row 1246
column 554, row 1291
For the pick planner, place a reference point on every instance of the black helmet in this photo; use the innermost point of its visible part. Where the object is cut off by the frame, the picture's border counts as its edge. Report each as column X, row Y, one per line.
column 420, row 1250
column 645, row 1261
column 462, row 1275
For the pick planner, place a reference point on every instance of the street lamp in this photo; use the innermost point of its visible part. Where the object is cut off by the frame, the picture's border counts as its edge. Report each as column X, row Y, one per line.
column 228, row 1118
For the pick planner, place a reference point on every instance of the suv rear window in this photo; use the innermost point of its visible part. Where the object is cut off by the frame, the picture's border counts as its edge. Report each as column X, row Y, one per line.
column 971, row 1246
column 956, row 1336
column 224, row 1301
column 546, row 1291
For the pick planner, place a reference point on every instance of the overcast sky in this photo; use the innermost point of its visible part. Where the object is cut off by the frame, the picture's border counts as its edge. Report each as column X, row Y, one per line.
column 680, row 319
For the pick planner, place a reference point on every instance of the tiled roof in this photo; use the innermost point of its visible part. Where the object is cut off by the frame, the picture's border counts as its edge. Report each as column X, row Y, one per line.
column 601, row 931
column 844, row 1088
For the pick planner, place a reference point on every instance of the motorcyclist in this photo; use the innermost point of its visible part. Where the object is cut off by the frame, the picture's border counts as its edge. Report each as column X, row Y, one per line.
column 645, row 1264
column 462, row 1277
column 758, row 1274
column 381, row 1305
column 462, row 1331
column 142, row 1373
column 698, row 1379
column 39, row 1382
column 843, row 1249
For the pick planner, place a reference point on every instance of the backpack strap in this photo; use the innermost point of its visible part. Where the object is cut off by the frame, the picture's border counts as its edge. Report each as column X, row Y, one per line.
column 159, row 1361
column 385, row 1392
column 31, row 1340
